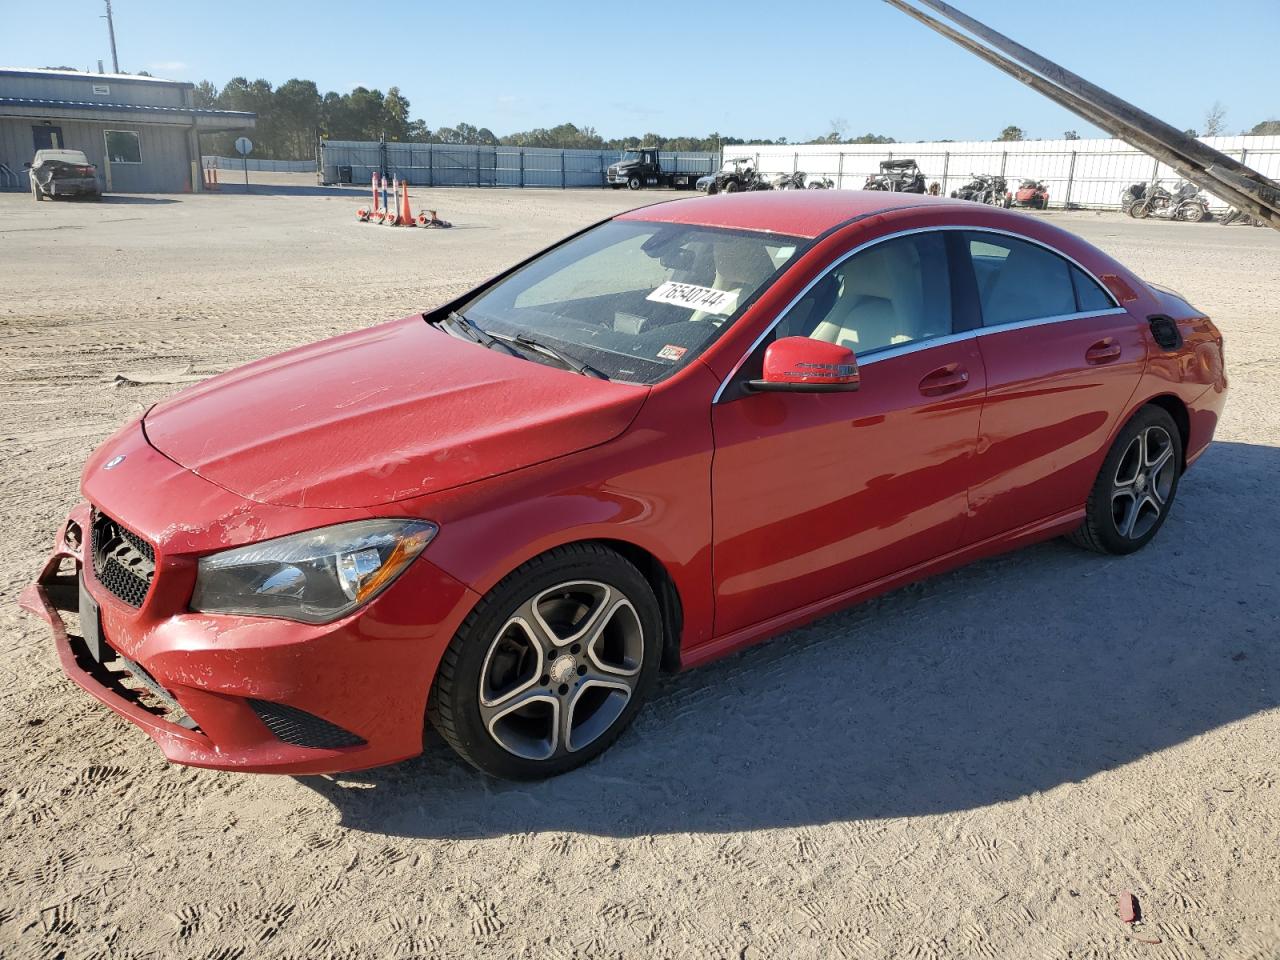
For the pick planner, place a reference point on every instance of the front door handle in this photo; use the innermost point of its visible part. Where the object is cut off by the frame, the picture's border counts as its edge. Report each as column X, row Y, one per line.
column 944, row 380
column 1104, row 351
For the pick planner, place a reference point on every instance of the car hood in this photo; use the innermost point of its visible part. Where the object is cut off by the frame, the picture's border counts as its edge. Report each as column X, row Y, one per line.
column 393, row 412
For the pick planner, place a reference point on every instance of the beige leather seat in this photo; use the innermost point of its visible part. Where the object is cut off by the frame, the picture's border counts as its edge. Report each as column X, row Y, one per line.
column 739, row 266
column 881, row 301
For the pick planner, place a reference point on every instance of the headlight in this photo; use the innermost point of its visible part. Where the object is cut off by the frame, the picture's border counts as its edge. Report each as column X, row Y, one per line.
column 314, row 577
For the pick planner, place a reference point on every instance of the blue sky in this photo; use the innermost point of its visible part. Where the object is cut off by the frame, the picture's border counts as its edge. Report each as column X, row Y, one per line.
column 742, row 68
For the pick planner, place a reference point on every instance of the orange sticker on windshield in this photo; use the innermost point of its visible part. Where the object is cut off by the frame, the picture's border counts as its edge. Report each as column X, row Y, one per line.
column 672, row 352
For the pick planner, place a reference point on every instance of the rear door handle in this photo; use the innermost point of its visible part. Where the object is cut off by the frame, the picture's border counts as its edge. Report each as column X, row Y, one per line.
column 944, row 380
column 1104, row 351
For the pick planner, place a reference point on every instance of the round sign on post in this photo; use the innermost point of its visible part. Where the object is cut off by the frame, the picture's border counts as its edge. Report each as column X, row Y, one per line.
column 243, row 146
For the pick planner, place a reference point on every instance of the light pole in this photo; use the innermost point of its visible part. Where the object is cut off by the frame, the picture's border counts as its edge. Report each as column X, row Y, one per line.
column 111, row 31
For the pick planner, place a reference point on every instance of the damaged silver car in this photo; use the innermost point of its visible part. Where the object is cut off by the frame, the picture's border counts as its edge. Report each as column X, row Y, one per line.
column 63, row 173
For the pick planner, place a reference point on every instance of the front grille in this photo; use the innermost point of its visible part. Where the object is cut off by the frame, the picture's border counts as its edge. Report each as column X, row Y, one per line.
column 123, row 562
column 303, row 729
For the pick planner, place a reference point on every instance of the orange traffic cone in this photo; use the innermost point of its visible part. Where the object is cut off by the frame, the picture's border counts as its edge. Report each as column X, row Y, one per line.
column 406, row 213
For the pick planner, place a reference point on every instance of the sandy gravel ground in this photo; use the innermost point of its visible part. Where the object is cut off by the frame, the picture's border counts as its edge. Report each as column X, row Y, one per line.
column 971, row 767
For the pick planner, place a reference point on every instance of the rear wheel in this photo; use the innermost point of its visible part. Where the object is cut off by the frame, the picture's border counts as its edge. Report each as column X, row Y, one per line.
column 1191, row 212
column 1136, row 486
column 551, row 666
column 730, row 186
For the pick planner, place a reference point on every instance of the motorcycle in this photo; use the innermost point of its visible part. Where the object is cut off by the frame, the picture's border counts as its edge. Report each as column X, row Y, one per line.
column 1236, row 215
column 985, row 188
column 821, row 183
column 1131, row 195
column 1033, row 194
column 1184, row 203
column 788, row 181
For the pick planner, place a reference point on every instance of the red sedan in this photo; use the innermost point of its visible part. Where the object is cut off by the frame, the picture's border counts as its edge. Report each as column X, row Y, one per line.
column 676, row 433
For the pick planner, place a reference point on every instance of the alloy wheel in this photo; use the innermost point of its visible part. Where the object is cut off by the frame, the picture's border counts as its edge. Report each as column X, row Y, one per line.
column 561, row 670
column 1143, row 483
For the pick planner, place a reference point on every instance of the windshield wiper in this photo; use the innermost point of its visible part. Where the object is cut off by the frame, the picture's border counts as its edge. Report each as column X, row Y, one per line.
column 473, row 332
column 569, row 361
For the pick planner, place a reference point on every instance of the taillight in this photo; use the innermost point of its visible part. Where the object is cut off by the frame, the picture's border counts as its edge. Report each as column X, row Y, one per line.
column 85, row 171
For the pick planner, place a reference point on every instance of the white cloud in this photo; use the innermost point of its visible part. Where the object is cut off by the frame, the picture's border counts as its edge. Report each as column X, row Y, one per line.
column 167, row 66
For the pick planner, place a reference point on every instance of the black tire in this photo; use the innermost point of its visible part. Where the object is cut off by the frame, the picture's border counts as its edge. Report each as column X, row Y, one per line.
column 1106, row 510
column 1191, row 213
column 730, row 186
column 455, row 704
column 35, row 193
column 634, row 183
column 1140, row 209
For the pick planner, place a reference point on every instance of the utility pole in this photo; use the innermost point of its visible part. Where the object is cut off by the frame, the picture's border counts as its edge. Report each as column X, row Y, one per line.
column 111, row 30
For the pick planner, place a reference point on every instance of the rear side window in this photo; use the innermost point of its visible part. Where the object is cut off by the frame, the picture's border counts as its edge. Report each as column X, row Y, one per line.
column 1022, row 281
column 1089, row 296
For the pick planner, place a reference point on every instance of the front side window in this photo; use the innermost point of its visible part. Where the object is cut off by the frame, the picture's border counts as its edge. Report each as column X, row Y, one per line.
column 1020, row 281
column 892, row 293
column 123, row 146
column 635, row 299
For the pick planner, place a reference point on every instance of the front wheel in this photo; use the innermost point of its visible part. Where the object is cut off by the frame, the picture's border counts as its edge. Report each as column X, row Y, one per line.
column 730, row 186
column 550, row 667
column 35, row 193
column 1136, row 486
column 634, row 183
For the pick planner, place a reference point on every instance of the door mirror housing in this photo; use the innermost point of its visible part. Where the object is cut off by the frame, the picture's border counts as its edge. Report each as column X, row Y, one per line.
column 802, row 365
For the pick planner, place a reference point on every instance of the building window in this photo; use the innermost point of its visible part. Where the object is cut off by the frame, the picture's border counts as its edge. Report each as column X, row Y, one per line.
column 123, row 147
column 101, row 90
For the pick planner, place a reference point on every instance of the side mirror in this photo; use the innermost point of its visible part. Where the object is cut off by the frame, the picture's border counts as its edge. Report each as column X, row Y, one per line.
column 802, row 365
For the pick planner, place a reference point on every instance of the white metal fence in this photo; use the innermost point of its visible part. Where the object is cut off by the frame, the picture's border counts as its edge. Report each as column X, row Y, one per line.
column 1078, row 173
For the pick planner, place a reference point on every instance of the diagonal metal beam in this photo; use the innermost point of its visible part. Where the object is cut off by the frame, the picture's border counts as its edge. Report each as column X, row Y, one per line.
column 1210, row 169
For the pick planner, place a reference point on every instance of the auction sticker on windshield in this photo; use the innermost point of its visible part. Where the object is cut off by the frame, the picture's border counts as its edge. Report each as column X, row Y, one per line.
column 720, row 302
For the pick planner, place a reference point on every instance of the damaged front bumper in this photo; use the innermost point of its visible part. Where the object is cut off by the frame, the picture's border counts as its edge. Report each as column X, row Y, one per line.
column 250, row 693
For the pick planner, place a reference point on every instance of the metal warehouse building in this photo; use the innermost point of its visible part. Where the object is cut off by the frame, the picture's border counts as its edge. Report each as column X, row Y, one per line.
column 142, row 133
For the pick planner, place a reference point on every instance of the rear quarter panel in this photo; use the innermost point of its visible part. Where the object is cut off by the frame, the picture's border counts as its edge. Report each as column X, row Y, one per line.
column 1193, row 373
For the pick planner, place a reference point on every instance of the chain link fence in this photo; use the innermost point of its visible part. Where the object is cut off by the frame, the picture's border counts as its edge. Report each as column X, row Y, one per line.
column 268, row 166
column 456, row 165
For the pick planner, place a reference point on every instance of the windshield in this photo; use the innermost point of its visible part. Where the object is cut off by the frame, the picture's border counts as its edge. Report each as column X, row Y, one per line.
column 636, row 300
column 630, row 155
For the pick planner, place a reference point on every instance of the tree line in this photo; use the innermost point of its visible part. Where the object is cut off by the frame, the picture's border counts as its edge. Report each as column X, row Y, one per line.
column 292, row 115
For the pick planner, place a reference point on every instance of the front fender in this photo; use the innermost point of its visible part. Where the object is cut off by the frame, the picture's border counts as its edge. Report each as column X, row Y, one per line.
column 649, row 488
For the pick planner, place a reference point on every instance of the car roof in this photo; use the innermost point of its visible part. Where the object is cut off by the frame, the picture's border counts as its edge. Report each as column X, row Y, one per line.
column 797, row 213
column 71, row 156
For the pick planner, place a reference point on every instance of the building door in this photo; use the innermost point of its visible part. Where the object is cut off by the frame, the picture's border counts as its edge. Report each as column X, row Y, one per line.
column 47, row 137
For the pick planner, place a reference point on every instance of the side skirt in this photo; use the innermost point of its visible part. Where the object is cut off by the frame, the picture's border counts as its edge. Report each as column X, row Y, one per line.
column 1024, row 536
